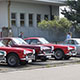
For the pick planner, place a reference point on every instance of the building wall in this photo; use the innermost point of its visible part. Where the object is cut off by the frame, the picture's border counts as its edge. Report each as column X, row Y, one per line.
column 35, row 9
column 3, row 15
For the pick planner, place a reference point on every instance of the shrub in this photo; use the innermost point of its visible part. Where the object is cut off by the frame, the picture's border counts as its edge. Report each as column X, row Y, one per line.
column 62, row 24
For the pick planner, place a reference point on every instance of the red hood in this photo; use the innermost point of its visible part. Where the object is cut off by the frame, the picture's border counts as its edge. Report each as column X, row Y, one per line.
column 15, row 49
column 57, row 45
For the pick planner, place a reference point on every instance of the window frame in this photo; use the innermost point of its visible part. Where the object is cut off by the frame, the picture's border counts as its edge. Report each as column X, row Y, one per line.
column 13, row 19
column 22, row 20
column 30, row 20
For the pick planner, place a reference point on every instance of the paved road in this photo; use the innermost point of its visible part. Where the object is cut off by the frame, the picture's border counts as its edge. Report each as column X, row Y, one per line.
column 69, row 72
column 36, row 65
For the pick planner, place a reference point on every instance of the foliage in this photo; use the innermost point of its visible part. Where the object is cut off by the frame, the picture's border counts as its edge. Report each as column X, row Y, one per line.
column 73, row 13
column 62, row 24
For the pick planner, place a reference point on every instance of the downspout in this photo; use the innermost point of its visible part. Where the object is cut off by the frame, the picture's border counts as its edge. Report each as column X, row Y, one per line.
column 9, row 3
column 9, row 27
column 51, row 16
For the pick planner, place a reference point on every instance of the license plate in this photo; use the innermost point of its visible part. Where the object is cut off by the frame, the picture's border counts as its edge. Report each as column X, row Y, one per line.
column 48, row 56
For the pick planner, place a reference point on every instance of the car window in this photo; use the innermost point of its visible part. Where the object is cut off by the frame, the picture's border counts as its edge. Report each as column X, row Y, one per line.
column 71, row 42
column 28, row 41
column 65, row 42
column 5, row 42
column 34, row 41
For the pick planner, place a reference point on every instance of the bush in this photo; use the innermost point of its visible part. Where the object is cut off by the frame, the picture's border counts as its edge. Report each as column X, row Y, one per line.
column 62, row 24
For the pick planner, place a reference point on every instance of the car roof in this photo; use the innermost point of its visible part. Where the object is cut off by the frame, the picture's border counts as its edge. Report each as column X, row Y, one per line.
column 33, row 38
column 74, row 39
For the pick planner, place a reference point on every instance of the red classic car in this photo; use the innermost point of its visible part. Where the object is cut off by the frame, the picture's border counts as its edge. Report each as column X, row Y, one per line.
column 41, row 52
column 15, row 56
column 60, row 51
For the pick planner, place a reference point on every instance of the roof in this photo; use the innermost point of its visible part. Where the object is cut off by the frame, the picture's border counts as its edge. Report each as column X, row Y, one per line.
column 49, row 2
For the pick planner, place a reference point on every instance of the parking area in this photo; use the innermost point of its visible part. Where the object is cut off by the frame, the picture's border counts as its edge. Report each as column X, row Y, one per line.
column 39, row 64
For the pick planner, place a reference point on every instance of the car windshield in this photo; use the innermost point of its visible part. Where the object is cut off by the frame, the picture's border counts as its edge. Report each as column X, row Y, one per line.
column 19, row 41
column 43, row 41
column 78, row 41
column 2, row 45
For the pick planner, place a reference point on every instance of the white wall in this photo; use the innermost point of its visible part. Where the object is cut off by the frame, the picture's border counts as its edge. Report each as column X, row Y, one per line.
column 3, row 14
column 33, row 8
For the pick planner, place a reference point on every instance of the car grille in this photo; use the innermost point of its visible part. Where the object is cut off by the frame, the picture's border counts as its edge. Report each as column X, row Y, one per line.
column 73, row 50
column 29, row 55
column 47, row 51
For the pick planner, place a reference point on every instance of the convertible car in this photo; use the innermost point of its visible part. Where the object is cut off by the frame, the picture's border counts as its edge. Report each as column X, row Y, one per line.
column 60, row 51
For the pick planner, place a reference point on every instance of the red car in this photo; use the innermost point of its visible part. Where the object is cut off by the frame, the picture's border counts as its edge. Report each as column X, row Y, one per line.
column 60, row 51
column 41, row 52
column 15, row 56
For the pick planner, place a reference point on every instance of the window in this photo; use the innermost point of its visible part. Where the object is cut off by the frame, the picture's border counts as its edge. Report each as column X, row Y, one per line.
column 22, row 19
column 13, row 19
column 38, row 18
column 28, row 41
column 71, row 42
column 30, row 20
column 34, row 41
column 46, row 17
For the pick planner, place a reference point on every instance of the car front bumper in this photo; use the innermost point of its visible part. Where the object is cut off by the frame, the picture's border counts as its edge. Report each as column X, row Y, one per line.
column 47, row 55
column 72, row 54
column 29, row 58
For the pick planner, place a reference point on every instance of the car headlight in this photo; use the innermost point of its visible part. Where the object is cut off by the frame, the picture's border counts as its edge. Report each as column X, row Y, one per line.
column 3, row 52
column 52, row 48
column 41, row 48
column 69, row 48
column 25, row 52
column 75, row 48
column 33, row 51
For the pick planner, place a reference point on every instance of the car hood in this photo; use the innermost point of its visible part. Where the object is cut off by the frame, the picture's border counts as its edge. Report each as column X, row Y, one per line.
column 16, row 49
column 34, row 46
column 58, row 45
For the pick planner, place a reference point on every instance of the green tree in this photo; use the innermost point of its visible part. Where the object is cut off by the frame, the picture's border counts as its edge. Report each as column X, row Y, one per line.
column 73, row 13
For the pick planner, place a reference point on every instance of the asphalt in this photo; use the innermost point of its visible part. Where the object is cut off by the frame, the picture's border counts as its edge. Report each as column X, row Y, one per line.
column 68, row 72
column 4, row 68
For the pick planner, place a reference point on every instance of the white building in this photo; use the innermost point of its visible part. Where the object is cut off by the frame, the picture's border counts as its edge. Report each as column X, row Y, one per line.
column 23, row 15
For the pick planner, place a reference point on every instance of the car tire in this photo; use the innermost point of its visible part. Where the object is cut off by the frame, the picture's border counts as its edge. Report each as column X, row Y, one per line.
column 59, row 54
column 67, row 57
column 13, row 60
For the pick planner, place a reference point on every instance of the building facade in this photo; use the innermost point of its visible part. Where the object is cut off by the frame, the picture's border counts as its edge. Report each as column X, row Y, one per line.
column 24, row 15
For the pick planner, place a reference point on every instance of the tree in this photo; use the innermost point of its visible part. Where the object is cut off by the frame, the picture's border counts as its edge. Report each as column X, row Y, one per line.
column 61, row 25
column 73, row 13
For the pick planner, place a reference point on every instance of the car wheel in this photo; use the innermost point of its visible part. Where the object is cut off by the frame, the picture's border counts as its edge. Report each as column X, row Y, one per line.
column 67, row 57
column 59, row 55
column 13, row 60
